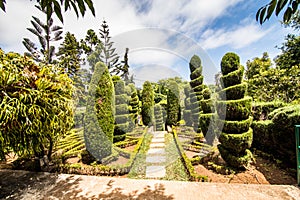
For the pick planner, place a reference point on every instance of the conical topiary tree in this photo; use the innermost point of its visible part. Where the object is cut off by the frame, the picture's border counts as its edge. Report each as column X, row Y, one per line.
column 173, row 104
column 159, row 121
column 99, row 118
column 147, row 103
column 122, row 113
column 234, row 110
column 197, row 87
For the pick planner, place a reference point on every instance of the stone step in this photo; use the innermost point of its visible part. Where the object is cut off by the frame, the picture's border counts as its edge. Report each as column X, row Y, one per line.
column 158, row 140
column 155, row 171
column 157, row 145
column 155, row 159
column 160, row 151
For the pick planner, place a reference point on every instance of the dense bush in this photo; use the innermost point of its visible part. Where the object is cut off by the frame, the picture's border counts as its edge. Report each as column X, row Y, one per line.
column 236, row 136
column 147, row 104
column 134, row 105
column 99, row 117
column 36, row 106
column 187, row 112
column 261, row 110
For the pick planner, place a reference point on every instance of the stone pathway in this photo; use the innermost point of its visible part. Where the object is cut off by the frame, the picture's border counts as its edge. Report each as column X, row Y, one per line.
column 156, row 156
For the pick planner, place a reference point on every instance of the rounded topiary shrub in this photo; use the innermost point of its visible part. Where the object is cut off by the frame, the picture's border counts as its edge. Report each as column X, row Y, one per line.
column 99, row 118
column 234, row 110
column 173, row 106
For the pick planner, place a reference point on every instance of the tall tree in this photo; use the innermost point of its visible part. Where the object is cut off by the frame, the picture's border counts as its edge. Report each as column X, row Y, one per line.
column 123, row 68
column 290, row 8
column 46, row 33
column 108, row 55
column 69, row 55
column 55, row 6
column 147, row 103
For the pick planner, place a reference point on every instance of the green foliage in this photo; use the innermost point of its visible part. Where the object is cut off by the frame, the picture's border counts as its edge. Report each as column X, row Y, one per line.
column 187, row 111
column 233, row 78
column 195, row 63
column 290, row 53
column 276, row 6
column 46, row 33
column 261, row 110
column 134, row 106
column 122, row 112
column 147, row 103
column 123, row 68
column 234, row 116
column 159, row 120
column 230, row 62
column 257, row 66
column 55, row 6
column 99, row 117
column 36, row 105
column 173, row 106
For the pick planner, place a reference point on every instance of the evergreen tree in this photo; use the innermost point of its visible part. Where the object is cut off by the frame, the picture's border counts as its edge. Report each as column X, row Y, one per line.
column 123, row 68
column 46, row 33
column 134, row 104
column 187, row 112
column 234, row 111
column 173, row 105
column 147, row 103
column 159, row 121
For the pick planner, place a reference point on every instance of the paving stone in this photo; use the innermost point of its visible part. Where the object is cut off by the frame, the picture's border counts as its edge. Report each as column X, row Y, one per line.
column 155, row 171
column 157, row 145
column 160, row 151
column 158, row 140
column 155, row 159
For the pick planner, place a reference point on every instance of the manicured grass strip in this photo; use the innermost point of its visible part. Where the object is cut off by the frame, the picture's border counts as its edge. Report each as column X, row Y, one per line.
column 138, row 169
column 175, row 169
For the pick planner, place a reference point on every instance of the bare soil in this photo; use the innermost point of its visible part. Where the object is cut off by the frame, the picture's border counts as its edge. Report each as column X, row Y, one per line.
column 262, row 172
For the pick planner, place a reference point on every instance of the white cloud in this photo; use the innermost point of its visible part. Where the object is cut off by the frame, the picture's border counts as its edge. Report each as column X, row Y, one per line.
column 238, row 37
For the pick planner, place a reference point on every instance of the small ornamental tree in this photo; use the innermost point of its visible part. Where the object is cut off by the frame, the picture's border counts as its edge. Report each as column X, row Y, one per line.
column 173, row 105
column 122, row 113
column 197, row 86
column 147, row 103
column 99, row 118
column 234, row 110
column 36, row 106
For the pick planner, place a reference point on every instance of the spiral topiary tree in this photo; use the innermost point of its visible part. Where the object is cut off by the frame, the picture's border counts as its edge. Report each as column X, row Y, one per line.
column 207, row 117
column 234, row 111
column 134, row 104
column 122, row 113
column 159, row 121
column 99, row 118
column 173, row 106
column 196, row 84
column 147, row 103
column 187, row 112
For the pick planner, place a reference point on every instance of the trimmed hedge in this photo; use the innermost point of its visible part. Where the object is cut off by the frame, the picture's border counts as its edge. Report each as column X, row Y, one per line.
column 236, row 127
column 262, row 135
column 234, row 109
column 99, row 117
column 206, row 120
column 207, row 106
column 237, row 142
column 173, row 106
column 234, row 92
column 233, row 78
column 261, row 110
column 197, row 81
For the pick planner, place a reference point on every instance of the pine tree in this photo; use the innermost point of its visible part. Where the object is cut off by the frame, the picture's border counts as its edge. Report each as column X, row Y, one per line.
column 46, row 33
column 123, row 68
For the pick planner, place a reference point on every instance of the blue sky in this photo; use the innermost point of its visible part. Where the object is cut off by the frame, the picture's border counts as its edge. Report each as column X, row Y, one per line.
column 163, row 35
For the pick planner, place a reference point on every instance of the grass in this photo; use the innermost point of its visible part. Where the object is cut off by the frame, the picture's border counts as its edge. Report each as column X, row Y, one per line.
column 138, row 169
column 175, row 169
